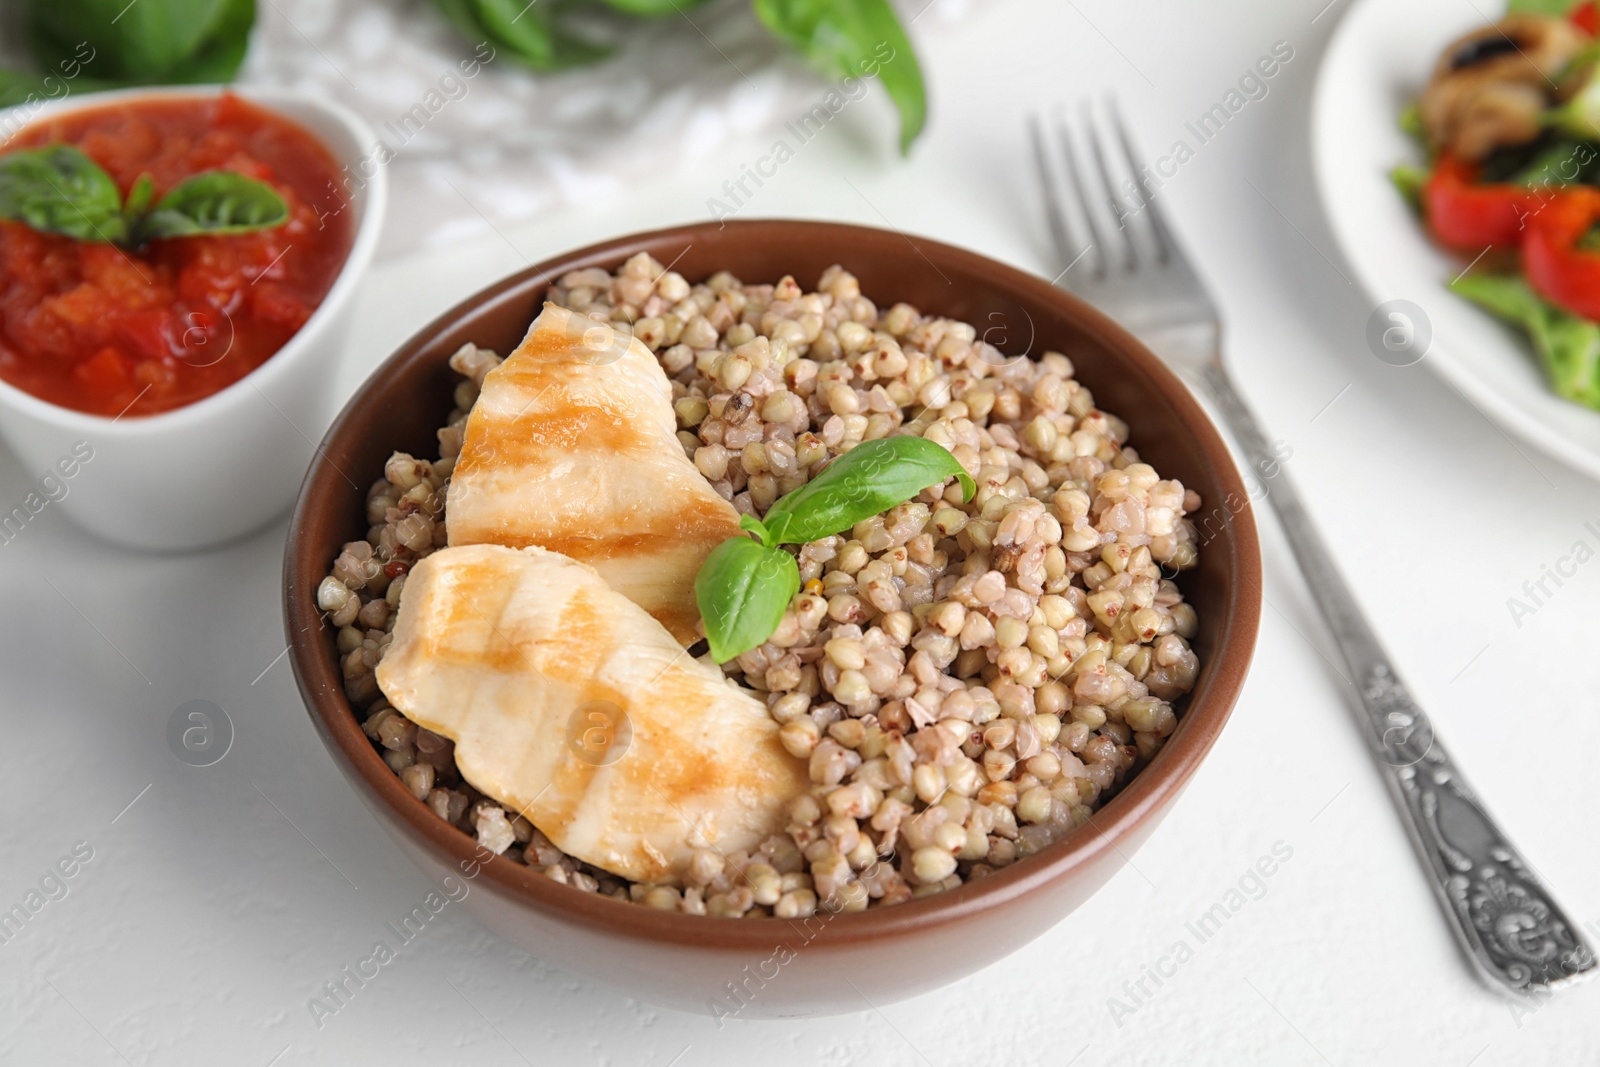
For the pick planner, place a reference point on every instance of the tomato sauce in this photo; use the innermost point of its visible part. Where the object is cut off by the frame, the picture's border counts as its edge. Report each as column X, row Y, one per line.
column 100, row 329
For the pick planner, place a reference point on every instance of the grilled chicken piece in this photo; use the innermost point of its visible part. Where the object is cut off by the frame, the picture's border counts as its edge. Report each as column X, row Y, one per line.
column 572, row 446
column 571, row 705
column 1491, row 86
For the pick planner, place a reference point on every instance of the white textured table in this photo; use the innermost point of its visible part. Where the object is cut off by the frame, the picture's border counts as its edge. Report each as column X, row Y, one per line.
column 219, row 900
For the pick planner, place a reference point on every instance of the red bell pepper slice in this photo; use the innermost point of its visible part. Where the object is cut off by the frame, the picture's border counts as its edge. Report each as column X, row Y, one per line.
column 1559, row 269
column 1586, row 16
column 1469, row 217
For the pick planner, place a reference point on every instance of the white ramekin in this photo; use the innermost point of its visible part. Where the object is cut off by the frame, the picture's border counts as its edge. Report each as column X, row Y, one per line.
column 227, row 464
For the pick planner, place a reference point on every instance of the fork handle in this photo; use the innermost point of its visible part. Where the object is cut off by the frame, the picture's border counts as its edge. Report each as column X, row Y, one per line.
column 1506, row 920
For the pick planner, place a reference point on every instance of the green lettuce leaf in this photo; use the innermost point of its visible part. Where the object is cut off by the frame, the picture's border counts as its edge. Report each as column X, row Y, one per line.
column 1568, row 346
column 1540, row 7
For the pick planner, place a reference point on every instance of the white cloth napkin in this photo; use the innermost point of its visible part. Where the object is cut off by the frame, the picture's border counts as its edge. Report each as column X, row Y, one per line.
column 509, row 143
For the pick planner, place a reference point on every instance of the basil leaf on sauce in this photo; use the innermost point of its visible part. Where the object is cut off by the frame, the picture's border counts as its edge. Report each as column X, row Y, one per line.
column 139, row 197
column 868, row 480
column 59, row 189
column 743, row 589
column 216, row 202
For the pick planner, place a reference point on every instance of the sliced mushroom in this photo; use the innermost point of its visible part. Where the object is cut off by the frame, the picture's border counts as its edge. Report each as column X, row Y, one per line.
column 1503, row 113
column 1491, row 86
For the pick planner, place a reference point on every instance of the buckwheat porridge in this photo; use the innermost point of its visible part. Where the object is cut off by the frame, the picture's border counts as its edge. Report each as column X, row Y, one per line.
column 965, row 682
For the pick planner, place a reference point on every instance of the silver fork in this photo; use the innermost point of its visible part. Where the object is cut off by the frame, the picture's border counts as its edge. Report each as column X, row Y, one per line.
column 1123, row 258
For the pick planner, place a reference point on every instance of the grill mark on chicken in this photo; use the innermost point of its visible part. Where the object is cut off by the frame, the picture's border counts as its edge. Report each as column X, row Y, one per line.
column 572, row 446
column 498, row 649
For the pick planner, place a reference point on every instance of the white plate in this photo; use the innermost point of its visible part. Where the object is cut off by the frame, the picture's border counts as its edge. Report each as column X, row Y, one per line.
column 1377, row 62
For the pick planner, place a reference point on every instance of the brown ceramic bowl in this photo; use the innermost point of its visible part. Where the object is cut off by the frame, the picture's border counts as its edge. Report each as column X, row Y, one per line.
column 769, row 967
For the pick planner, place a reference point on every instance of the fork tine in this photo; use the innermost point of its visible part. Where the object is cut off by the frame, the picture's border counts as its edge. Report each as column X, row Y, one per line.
column 1055, row 213
column 1165, row 245
column 1149, row 286
column 1108, row 186
column 1080, row 190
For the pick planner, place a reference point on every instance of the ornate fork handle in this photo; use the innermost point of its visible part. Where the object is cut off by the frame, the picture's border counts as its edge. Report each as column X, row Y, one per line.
column 1506, row 920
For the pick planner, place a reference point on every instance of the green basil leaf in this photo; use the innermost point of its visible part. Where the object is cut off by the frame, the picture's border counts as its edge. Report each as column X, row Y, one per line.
column 222, row 53
column 743, row 589
column 868, row 480
column 148, row 42
column 139, row 197
column 216, row 202
column 853, row 39
column 58, row 189
column 529, row 34
column 751, row 524
column 652, row 8
column 16, row 86
column 1568, row 346
column 21, row 87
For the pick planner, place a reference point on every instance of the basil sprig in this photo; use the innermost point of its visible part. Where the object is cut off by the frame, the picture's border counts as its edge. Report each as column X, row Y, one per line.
column 743, row 589
column 59, row 189
column 852, row 39
column 745, row 585
column 152, row 42
column 84, row 45
column 534, row 35
column 845, row 40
